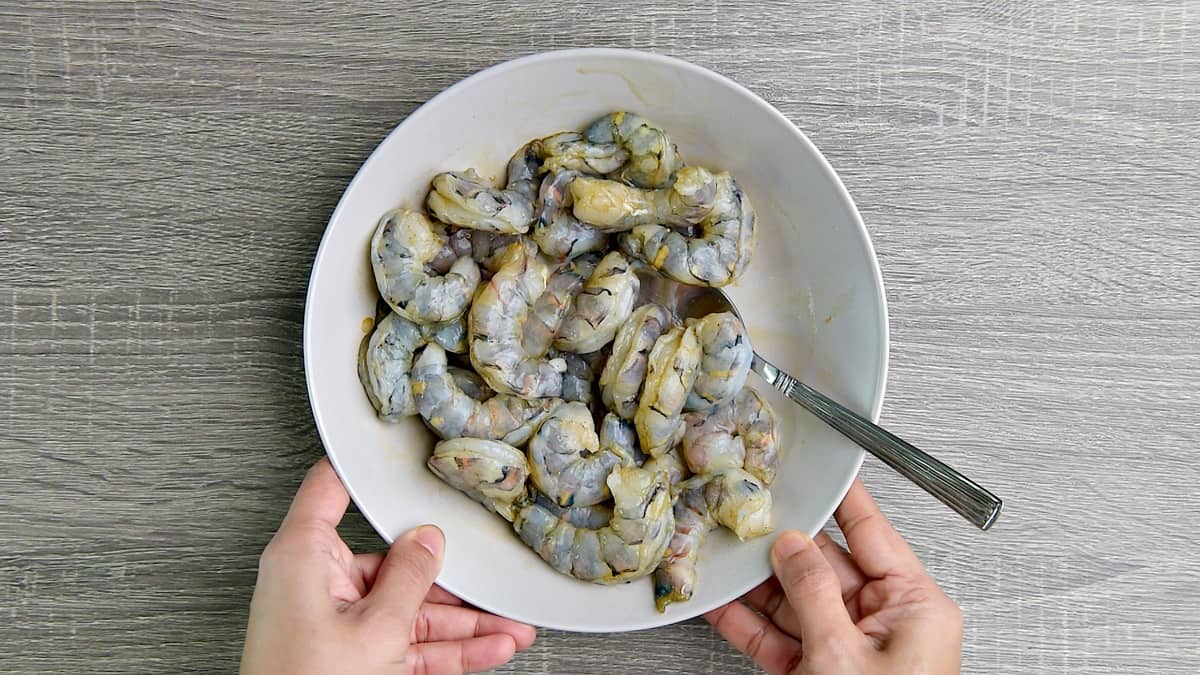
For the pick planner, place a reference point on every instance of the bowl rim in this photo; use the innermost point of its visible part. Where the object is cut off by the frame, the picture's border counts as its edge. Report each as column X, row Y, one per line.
column 634, row 55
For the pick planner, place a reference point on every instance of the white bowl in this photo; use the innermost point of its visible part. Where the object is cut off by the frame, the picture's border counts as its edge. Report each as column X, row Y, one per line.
column 812, row 298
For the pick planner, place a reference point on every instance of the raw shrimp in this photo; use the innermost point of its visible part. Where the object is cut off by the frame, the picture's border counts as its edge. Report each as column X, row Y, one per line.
column 653, row 158
column 464, row 199
column 557, row 232
column 672, row 369
column 675, row 577
column 610, row 206
column 579, row 376
column 724, row 363
column 568, row 465
column 672, row 463
column 496, row 326
column 551, row 307
column 740, row 502
column 452, row 412
column 403, row 247
column 471, row 383
column 619, row 437
column 629, row 547
column 621, row 380
column 605, row 303
column 490, row 472
column 591, row 517
column 484, row 247
column 715, row 258
column 385, row 360
column 741, row 433
column 570, row 151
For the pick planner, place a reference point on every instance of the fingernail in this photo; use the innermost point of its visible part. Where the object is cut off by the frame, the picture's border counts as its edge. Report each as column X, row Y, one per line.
column 431, row 538
column 789, row 544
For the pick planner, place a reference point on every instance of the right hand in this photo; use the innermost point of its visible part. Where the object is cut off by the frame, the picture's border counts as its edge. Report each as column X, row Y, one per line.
column 873, row 609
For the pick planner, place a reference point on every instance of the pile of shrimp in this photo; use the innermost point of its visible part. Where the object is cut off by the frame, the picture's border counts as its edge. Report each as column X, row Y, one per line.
column 613, row 437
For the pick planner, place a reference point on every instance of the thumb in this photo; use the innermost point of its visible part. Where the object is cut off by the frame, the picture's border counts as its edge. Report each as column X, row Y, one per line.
column 811, row 586
column 405, row 576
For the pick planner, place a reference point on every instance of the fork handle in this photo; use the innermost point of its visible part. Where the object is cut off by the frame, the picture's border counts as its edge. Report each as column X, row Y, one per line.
column 953, row 489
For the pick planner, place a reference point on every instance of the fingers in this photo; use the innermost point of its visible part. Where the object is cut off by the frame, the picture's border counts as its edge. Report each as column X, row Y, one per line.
column 321, row 498
column 366, row 567
column 438, row 623
column 849, row 576
column 463, row 656
column 754, row 636
column 441, row 596
column 403, row 579
column 876, row 546
column 811, row 586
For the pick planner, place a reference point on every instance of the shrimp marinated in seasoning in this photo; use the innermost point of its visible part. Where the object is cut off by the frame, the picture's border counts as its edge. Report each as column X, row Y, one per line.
column 672, row 370
column 675, row 577
column 653, row 158
column 464, row 199
column 629, row 547
column 604, row 303
column 568, row 465
column 610, row 206
column 591, row 517
column 724, row 362
column 741, row 433
column 496, row 324
column 402, row 250
column 672, row 463
column 385, row 360
column 556, row 230
column 740, row 502
column 621, row 379
column 490, row 472
column 485, row 248
column 552, row 306
column 571, row 151
column 452, row 412
column 716, row 257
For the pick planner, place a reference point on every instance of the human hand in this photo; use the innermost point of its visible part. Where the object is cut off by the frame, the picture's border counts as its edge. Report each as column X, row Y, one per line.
column 318, row 608
column 872, row 610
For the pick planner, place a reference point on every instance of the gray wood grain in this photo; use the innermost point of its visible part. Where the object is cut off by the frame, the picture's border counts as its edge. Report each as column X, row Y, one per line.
column 1028, row 172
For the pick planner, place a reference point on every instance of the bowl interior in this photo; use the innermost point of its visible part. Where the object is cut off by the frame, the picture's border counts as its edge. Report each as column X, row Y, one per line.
column 812, row 299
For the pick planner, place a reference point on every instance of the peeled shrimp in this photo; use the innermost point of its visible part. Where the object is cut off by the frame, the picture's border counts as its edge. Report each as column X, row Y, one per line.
column 675, row 577
column 621, row 380
column 618, row 437
column 556, row 230
column 496, row 324
column 715, row 258
column 568, row 464
column 734, row 499
column 550, row 309
column 604, row 303
column 629, row 547
column 404, row 245
column 485, row 248
column 653, row 158
column 672, row 369
column 591, row 517
column 672, row 463
column 578, row 377
column 570, row 151
column 724, row 363
column 464, row 199
column 385, row 361
column 610, row 206
column 741, row 433
column 452, row 412
column 490, row 472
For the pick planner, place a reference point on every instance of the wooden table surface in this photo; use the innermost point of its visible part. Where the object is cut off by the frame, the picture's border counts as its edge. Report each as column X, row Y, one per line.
column 1029, row 173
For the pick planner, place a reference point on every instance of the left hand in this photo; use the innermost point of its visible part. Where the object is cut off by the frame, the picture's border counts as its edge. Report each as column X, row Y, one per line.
column 319, row 608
